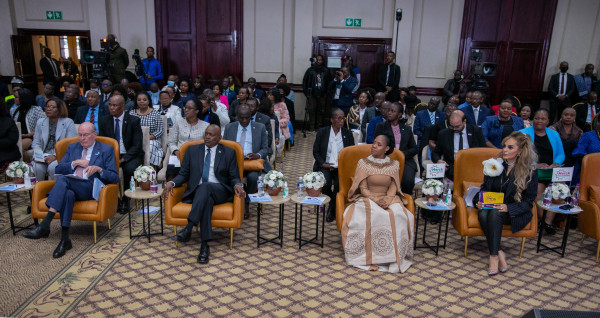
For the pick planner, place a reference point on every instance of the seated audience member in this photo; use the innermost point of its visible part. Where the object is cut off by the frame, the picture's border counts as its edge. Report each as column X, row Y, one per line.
column 234, row 82
column 199, row 85
column 105, row 92
column 120, row 90
column 77, row 90
column 208, row 184
column 227, row 91
column 357, row 112
column 65, row 83
column 328, row 143
column 216, row 88
column 476, row 113
column 587, row 112
column 428, row 117
column 263, row 119
column 372, row 112
column 460, row 135
column 435, row 129
column 455, row 86
column 257, row 92
column 92, row 111
column 376, row 197
column 154, row 93
column 385, row 106
column 279, row 106
column 412, row 91
column 286, row 92
column 133, row 89
column 88, row 159
column 266, row 108
column 184, row 92
column 42, row 99
column 282, row 79
column 172, row 81
column 403, row 140
column 72, row 101
column 518, row 181
column 514, row 101
column 9, row 137
column 468, row 100
column 525, row 113
column 550, row 152
column 343, row 85
column 217, row 107
column 127, row 130
column 242, row 98
column 589, row 143
column 206, row 105
column 496, row 128
column 48, row 131
column 28, row 114
column 569, row 134
column 187, row 128
column 252, row 136
column 166, row 108
column 410, row 111
column 150, row 117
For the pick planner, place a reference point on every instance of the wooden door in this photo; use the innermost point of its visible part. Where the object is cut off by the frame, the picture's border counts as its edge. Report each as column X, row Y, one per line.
column 515, row 34
column 199, row 37
column 22, row 48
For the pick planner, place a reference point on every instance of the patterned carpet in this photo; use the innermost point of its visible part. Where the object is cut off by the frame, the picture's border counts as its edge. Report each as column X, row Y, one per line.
column 123, row 277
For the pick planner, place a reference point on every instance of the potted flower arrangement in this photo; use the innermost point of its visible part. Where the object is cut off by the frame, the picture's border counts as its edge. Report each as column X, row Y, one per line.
column 142, row 175
column 492, row 167
column 16, row 170
column 274, row 181
column 560, row 192
column 313, row 183
column 432, row 189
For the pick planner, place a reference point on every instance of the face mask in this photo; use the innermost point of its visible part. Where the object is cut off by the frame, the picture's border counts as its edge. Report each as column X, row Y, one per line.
column 95, row 89
column 564, row 69
column 170, row 83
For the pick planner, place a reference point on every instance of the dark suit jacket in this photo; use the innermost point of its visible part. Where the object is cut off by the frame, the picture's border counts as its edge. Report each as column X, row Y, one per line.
column 9, row 136
column 259, row 139
column 408, row 146
column 445, row 143
column 131, row 134
column 554, row 89
column 483, row 113
column 48, row 71
column 394, row 77
column 225, row 169
column 83, row 110
column 322, row 141
column 73, row 107
column 346, row 95
column 265, row 120
column 102, row 156
column 370, row 113
column 422, row 120
column 582, row 113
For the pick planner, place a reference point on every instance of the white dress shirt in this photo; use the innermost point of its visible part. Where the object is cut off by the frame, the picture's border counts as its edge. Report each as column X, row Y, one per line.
column 122, row 149
column 336, row 144
column 457, row 141
column 247, row 146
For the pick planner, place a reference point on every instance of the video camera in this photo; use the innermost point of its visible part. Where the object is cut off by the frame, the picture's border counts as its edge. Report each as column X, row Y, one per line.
column 480, row 69
column 99, row 62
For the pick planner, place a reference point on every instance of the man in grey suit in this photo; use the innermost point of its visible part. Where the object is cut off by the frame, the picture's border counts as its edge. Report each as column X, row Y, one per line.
column 263, row 119
column 254, row 143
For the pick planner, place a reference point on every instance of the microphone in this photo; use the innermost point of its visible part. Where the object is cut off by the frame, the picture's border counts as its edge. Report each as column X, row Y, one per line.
column 398, row 14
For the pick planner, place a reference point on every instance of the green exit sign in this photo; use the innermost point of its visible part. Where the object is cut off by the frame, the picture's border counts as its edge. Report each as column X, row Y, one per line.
column 53, row 15
column 353, row 22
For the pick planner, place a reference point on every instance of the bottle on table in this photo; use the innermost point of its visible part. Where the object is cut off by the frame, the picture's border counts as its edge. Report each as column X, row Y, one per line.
column 300, row 186
column 547, row 196
column 32, row 176
column 132, row 184
column 260, row 186
column 286, row 190
column 575, row 196
column 448, row 199
column 154, row 183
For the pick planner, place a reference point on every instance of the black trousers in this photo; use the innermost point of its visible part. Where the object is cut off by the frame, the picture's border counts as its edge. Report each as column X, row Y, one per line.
column 332, row 185
column 318, row 112
column 491, row 222
column 251, row 178
column 203, row 199
column 128, row 169
column 408, row 177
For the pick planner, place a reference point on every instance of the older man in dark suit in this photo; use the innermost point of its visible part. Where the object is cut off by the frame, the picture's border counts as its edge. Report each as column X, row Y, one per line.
column 127, row 131
column 263, row 119
column 213, row 178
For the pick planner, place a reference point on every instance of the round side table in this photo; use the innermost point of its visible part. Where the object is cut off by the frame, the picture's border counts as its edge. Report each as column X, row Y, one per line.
column 298, row 230
column 145, row 196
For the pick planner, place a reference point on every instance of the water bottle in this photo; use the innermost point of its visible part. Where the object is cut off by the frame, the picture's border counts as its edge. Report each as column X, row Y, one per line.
column 575, row 196
column 286, row 191
column 547, row 197
column 26, row 179
column 32, row 174
column 448, row 199
column 132, row 184
column 300, row 186
column 260, row 185
column 153, row 184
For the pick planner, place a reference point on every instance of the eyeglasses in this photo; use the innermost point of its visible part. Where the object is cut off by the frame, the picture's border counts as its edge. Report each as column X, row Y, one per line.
column 105, row 85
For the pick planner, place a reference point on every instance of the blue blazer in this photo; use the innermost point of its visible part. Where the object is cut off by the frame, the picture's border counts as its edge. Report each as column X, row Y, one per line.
column 492, row 130
column 231, row 95
column 558, row 152
column 346, row 92
column 422, row 121
column 371, row 129
column 470, row 115
column 103, row 156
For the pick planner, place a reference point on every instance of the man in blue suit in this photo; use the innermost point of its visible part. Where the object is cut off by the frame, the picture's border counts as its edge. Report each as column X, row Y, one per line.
column 476, row 113
column 343, row 85
column 83, row 162
column 428, row 117
column 226, row 91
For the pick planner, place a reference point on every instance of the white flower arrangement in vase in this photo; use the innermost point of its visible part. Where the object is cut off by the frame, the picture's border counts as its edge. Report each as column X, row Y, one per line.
column 492, row 167
column 560, row 191
column 274, row 179
column 17, row 169
column 314, row 180
column 143, row 173
column 432, row 187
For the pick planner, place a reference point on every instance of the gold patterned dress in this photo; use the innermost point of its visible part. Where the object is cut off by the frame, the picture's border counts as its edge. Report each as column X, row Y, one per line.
column 375, row 238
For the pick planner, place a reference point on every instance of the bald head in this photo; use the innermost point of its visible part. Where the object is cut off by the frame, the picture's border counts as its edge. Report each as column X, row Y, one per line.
column 116, row 105
column 457, row 120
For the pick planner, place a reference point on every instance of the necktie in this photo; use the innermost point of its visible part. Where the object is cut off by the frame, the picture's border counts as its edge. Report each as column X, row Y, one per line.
column 243, row 140
column 592, row 109
column 460, row 141
column 53, row 67
column 387, row 76
column 562, row 85
column 117, row 131
column 79, row 170
column 206, row 167
column 93, row 115
column 476, row 113
column 432, row 118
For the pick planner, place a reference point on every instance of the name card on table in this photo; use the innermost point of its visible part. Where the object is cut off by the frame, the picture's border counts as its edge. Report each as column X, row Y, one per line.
column 436, row 170
column 562, row 174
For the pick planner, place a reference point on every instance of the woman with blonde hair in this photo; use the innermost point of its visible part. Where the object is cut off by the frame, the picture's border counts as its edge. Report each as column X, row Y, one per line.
column 516, row 177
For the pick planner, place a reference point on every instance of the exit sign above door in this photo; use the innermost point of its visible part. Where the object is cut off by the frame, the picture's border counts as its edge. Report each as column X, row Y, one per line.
column 53, row 15
column 353, row 22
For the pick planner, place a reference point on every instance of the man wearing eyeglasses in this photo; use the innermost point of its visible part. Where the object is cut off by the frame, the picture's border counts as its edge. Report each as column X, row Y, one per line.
column 82, row 163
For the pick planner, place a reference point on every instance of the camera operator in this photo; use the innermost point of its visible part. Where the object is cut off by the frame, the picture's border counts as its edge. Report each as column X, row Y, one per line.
column 314, row 85
column 344, row 85
column 118, row 59
column 149, row 71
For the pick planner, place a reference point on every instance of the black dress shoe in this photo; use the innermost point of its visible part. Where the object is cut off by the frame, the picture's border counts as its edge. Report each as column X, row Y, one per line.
column 330, row 215
column 62, row 248
column 548, row 229
column 37, row 233
column 183, row 236
column 204, row 254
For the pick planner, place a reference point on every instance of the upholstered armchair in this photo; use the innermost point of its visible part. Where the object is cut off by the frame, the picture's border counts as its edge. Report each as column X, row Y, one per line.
column 348, row 159
column 468, row 171
column 90, row 210
column 227, row 215
column 589, row 190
